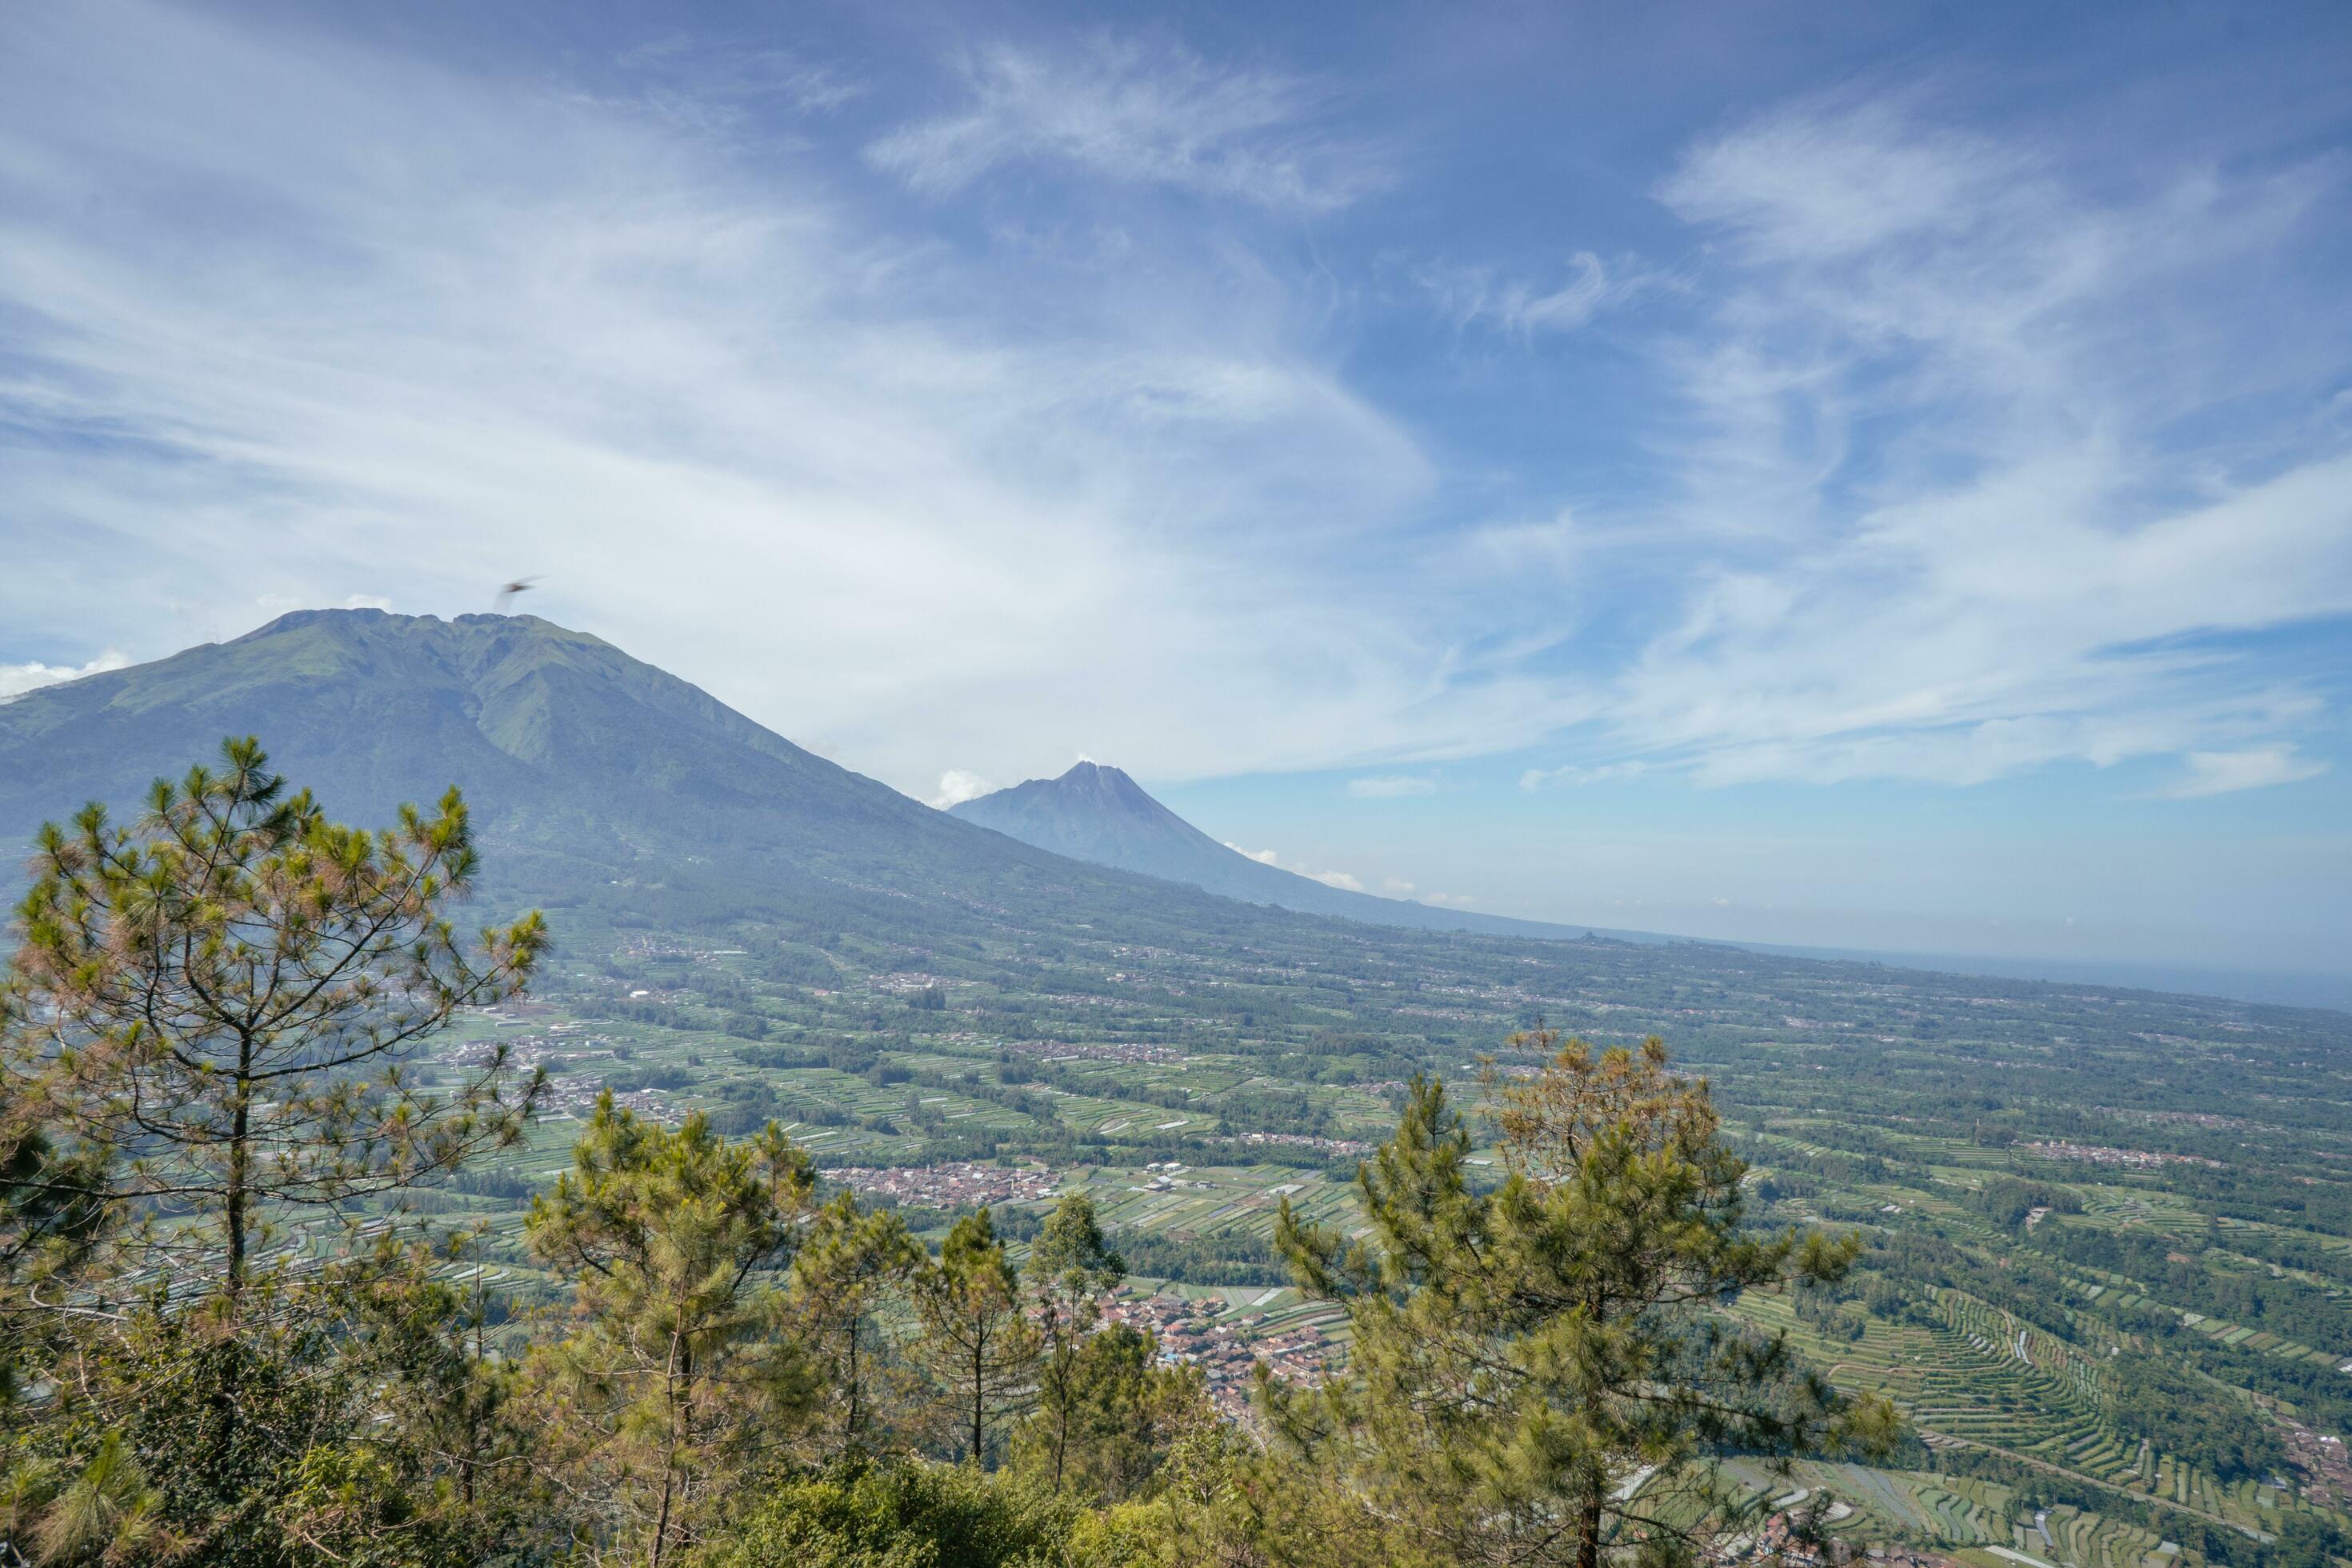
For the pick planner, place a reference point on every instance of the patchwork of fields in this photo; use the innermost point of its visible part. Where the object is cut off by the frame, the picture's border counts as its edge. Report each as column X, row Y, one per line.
column 2103, row 1360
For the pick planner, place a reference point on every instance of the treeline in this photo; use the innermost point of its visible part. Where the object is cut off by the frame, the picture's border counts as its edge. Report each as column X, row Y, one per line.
column 1229, row 1259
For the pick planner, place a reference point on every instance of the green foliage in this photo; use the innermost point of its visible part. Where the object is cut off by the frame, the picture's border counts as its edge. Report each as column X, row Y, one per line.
column 979, row 1348
column 350, row 1505
column 225, row 995
column 1517, row 1353
column 868, row 1515
column 2009, row 1203
column 385, row 1399
column 53, row 1214
column 105, row 1513
column 677, row 1373
column 1070, row 1266
column 1116, row 1413
column 854, row 1268
column 2157, row 1399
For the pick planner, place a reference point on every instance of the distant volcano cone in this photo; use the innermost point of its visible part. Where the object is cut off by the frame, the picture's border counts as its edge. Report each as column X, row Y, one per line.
column 1098, row 814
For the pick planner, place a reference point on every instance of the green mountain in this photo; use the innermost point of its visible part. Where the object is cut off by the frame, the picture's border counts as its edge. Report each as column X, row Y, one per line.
column 1101, row 815
column 594, row 779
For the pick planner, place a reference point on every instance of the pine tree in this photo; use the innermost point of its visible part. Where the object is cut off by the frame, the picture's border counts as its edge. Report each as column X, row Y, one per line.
column 677, row 1243
column 856, row 1261
column 1537, row 1373
column 980, row 1346
column 1070, row 1266
column 1123, row 1413
column 455, row 1416
column 210, row 1024
column 228, row 995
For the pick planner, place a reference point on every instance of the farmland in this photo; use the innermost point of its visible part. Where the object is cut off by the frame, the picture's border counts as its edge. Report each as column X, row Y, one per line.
column 2109, row 1271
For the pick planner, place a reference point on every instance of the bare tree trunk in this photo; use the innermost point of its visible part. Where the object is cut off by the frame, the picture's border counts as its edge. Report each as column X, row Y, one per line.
column 979, row 1350
column 1061, row 1357
column 238, row 1193
column 472, row 1394
column 849, row 1422
column 669, row 1454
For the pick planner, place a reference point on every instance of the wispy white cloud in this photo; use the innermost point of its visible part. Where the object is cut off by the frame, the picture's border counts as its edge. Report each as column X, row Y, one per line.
column 1940, row 523
column 1575, row 774
column 1823, row 181
column 1391, row 786
column 754, row 437
column 697, row 76
column 1467, row 294
column 1961, row 482
column 1142, row 113
column 15, row 680
column 2222, row 772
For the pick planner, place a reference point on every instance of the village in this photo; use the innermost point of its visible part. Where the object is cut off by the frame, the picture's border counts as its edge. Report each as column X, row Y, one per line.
column 962, row 1185
column 1200, row 1333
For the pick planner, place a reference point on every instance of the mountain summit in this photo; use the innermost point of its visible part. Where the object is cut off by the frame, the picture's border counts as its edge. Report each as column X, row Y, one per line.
column 1101, row 815
column 592, row 777
column 1098, row 814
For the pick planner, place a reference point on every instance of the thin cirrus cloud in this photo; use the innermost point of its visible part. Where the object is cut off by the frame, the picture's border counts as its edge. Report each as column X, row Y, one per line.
column 1137, row 112
column 1391, row 786
column 1475, row 294
column 1938, row 518
column 428, row 309
column 1945, row 470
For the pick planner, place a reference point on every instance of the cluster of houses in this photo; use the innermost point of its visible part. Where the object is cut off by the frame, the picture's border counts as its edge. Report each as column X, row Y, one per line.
column 908, row 981
column 2098, row 1155
column 1200, row 1333
column 964, row 1186
column 2322, row 1459
column 561, row 1049
column 1101, row 1051
column 1781, row 1545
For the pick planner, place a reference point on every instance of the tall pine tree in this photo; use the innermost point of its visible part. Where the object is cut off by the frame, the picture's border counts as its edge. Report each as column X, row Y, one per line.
column 981, row 1350
column 677, row 1373
column 1539, row 1372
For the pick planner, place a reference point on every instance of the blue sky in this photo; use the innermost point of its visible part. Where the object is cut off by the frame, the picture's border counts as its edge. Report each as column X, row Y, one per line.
column 1864, row 476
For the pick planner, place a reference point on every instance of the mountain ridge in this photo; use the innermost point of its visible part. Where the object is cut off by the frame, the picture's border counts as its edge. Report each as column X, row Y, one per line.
column 1098, row 814
column 595, row 780
column 577, row 759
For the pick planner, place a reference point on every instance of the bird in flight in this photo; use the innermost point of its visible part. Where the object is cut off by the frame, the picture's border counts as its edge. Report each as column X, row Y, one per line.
column 520, row 586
